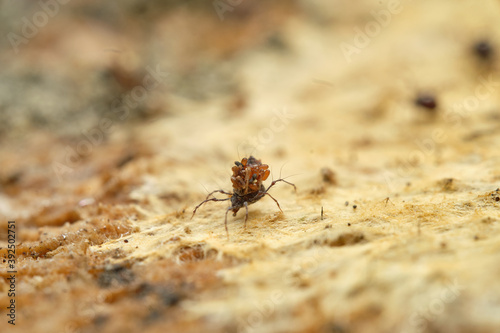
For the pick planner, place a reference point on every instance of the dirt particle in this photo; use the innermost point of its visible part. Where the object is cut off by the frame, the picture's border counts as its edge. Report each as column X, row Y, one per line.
column 170, row 298
column 328, row 176
column 426, row 101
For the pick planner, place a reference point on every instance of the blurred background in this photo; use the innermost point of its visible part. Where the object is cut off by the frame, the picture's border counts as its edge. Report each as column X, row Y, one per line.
column 109, row 110
column 203, row 80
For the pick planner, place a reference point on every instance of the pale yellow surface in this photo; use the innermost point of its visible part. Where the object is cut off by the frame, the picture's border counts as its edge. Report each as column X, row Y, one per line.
column 420, row 253
column 427, row 259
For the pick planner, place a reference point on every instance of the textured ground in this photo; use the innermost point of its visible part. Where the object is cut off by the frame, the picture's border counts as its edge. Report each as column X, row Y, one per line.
column 115, row 122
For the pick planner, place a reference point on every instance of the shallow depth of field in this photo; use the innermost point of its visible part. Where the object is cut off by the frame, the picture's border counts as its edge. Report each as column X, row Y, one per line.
column 116, row 120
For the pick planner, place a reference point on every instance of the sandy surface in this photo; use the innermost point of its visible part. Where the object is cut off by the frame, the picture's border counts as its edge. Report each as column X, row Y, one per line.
column 116, row 122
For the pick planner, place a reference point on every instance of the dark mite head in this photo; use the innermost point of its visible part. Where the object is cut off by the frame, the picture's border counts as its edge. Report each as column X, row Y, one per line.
column 483, row 49
column 426, row 101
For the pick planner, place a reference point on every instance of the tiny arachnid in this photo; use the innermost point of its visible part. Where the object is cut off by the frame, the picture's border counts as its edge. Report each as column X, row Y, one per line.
column 247, row 179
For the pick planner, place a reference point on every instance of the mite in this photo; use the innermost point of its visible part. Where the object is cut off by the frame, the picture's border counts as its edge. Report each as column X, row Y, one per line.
column 247, row 179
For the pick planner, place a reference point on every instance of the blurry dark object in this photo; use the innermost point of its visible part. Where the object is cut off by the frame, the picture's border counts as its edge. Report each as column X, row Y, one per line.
column 426, row 101
column 484, row 50
column 328, row 176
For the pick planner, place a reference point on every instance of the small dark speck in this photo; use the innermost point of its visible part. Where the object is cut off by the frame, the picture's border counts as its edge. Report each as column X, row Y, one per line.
column 328, row 176
column 476, row 237
column 347, row 203
column 426, row 101
column 126, row 240
column 483, row 49
column 354, row 206
column 348, row 224
column 497, row 199
column 170, row 298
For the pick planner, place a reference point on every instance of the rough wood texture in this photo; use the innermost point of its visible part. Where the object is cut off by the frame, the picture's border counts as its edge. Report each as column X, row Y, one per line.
column 116, row 122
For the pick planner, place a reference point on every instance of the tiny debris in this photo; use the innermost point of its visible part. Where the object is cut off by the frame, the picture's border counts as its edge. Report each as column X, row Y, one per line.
column 483, row 49
column 322, row 213
column 328, row 176
column 346, row 203
column 426, row 101
column 354, row 206
column 348, row 224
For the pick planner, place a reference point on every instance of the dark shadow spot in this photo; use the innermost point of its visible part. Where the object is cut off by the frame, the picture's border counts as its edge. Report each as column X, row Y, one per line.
column 115, row 275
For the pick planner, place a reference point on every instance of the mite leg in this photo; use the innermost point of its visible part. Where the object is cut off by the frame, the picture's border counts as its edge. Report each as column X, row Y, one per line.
column 225, row 222
column 207, row 200
column 246, row 216
column 275, row 201
column 281, row 180
column 218, row 191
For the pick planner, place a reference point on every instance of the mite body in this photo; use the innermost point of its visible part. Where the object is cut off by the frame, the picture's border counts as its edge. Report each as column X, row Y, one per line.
column 248, row 188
